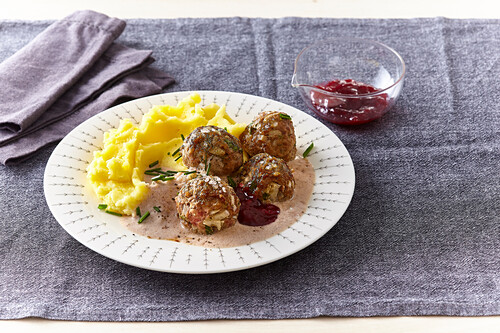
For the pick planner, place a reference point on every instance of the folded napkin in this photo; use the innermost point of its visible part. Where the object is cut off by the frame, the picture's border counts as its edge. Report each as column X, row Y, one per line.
column 69, row 72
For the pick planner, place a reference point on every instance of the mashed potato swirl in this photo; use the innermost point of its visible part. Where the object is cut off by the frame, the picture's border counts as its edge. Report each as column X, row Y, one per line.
column 116, row 172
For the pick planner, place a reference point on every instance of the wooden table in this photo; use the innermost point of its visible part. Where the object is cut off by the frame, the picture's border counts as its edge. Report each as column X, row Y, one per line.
column 54, row 9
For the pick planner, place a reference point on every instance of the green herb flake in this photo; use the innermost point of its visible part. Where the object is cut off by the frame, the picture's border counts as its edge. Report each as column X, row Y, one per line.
column 308, row 150
column 138, row 211
column 176, row 151
column 143, row 217
column 113, row 213
column 231, row 182
column 250, row 128
column 178, row 157
column 182, row 137
column 208, row 168
column 285, row 116
column 102, row 206
column 209, row 230
column 154, row 163
column 157, row 209
column 156, row 178
column 167, row 178
column 189, row 172
column 232, row 145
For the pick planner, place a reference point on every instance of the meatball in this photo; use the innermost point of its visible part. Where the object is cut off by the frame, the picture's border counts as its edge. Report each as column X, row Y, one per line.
column 270, row 132
column 206, row 204
column 268, row 178
column 212, row 149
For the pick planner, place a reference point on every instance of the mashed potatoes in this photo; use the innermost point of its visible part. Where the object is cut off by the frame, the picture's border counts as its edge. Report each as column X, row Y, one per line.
column 116, row 172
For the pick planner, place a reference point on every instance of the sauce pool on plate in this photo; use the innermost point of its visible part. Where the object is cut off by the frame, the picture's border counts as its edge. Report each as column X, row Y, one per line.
column 163, row 222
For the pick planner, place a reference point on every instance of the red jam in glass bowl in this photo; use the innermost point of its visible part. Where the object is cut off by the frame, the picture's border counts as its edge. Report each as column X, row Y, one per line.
column 344, row 110
column 347, row 80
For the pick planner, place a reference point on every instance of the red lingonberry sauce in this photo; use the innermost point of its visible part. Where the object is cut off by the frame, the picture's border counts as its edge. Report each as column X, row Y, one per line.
column 348, row 111
column 252, row 211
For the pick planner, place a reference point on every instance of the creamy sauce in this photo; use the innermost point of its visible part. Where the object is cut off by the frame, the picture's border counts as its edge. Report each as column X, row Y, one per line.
column 166, row 224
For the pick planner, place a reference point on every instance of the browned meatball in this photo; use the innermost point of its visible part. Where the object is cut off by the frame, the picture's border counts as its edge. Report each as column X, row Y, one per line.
column 206, row 204
column 270, row 132
column 213, row 150
column 268, row 178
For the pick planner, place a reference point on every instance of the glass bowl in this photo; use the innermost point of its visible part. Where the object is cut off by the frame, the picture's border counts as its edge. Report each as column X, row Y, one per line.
column 349, row 81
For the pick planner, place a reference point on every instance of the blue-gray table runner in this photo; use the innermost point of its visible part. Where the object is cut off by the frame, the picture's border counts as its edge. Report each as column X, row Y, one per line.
column 421, row 236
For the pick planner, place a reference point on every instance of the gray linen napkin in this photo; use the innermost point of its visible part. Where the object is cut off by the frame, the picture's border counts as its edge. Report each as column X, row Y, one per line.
column 70, row 80
column 52, row 63
column 141, row 83
column 114, row 64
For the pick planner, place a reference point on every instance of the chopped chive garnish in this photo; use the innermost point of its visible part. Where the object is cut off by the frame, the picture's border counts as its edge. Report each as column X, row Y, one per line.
column 178, row 158
column 232, row 145
column 143, row 217
column 153, row 170
column 102, row 206
column 167, row 173
column 208, row 168
column 157, row 209
column 285, row 116
column 182, row 137
column 189, row 172
column 113, row 213
column 225, row 129
column 231, row 182
column 154, row 163
column 159, row 177
column 308, row 150
column 151, row 173
column 138, row 211
column 167, row 178
column 176, row 151
column 209, row 230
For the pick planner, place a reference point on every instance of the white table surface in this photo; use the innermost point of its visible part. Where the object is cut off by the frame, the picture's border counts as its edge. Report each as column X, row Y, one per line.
column 56, row 9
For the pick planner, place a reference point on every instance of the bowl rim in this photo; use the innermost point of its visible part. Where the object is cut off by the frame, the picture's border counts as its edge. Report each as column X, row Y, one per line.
column 363, row 40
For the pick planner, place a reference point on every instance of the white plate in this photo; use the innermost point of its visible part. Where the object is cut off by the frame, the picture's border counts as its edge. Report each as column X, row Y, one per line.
column 76, row 209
